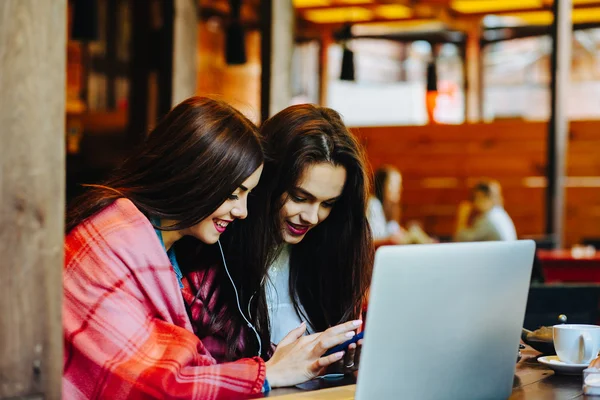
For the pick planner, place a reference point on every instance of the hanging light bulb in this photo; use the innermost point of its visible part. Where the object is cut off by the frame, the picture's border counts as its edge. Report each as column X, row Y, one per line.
column 432, row 91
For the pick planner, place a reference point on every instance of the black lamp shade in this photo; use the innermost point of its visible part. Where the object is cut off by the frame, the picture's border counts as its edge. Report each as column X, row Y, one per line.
column 347, row 73
column 235, row 44
column 85, row 20
column 431, row 77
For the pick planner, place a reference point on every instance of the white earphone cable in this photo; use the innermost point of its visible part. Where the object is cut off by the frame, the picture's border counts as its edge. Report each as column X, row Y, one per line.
column 237, row 298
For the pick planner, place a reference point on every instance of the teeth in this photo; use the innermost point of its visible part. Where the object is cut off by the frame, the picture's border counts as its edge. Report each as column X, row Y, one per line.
column 222, row 224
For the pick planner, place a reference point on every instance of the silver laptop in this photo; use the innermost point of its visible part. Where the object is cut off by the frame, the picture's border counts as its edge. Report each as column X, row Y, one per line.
column 444, row 321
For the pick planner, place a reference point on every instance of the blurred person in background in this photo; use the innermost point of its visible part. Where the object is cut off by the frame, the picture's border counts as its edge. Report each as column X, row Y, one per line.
column 383, row 212
column 484, row 218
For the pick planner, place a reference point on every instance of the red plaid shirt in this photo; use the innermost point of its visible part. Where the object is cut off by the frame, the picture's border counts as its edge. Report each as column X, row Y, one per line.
column 126, row 330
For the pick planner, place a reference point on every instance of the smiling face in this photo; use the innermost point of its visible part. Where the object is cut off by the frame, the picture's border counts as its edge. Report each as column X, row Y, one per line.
column 310, row 201
column 235, row 207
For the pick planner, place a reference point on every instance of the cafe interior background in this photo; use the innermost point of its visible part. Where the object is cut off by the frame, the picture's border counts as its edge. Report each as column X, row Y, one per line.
column 494, row 127
column 447, row 91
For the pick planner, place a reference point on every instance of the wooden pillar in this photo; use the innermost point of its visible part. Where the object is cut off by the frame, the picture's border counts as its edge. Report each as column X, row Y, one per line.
column 185, row 50
column 277, row 46
column 326, row 40
column 33, row 45
column 403, row 56
column 558, row 126
column 474, row 73
column 465, row 85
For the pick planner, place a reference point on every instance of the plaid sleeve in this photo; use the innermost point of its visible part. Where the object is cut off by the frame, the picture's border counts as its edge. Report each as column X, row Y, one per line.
column 117, row 346
column 169, row 365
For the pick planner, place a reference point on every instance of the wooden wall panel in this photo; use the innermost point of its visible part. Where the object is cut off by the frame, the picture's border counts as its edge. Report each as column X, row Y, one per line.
column 440, row 162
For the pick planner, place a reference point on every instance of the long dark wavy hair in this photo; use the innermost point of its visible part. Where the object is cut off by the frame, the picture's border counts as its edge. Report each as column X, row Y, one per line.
column 330, row 269
column 186, row 168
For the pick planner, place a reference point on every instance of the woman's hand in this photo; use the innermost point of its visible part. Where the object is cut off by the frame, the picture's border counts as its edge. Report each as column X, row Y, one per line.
column 464, row 211
column 595, row 363
column 463, row 217
column 398, row 238
column 349, row 363
column 299, row 358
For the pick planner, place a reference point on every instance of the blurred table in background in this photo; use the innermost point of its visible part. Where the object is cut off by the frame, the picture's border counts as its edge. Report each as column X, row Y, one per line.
column 569, row 266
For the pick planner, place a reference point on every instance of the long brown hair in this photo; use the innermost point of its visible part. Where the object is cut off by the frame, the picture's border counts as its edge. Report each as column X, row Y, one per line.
column 330, row 268
column 197, row 155
column 186, row 168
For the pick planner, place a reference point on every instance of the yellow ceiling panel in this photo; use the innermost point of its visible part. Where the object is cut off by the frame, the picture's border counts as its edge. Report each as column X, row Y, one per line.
column 586, row 15
column 311, row 3
column 545, row 17
column 341, row 14
column 393, row 11
column 354, row 2
column 575, row 2
column 533, row 18
column 492, row 6
column 377, row 28
column 327, row 3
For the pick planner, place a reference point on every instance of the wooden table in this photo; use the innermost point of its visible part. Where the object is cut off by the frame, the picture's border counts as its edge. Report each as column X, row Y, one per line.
column 562, row 266
column 532, row 381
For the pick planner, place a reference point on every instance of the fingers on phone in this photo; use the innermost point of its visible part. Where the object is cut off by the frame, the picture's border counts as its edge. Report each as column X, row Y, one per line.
column 328, row 360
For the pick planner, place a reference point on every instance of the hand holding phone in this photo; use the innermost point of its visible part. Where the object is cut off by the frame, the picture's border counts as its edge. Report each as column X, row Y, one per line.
column 344, row 346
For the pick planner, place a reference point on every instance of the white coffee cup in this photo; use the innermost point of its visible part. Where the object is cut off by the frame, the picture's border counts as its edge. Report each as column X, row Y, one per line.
column 576, row 344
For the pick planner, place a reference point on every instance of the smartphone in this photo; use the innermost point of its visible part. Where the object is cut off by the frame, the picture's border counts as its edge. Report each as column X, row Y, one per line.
column 344, row 346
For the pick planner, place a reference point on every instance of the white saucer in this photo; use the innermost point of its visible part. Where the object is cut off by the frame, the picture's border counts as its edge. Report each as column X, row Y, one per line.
column 561, row 367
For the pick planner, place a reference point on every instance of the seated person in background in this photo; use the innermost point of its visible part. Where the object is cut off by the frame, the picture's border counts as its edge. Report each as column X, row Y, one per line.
column 484, row 218
column 383, row 211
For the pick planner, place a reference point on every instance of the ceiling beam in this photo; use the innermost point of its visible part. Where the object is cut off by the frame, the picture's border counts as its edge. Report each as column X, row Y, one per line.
column 459, row 38
column 337, row 25
column 502, row 34
column 433, row 37
column 423, row 10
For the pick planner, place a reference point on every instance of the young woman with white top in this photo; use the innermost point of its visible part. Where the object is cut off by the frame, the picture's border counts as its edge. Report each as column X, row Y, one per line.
column 307, row 225
column 383, row 211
